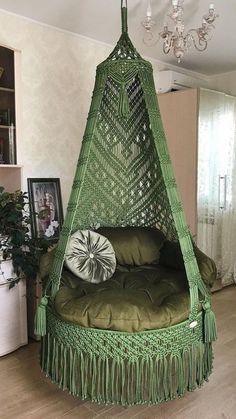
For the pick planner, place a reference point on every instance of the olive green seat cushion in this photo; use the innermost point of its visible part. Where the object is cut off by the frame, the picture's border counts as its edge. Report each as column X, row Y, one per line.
column 171, row 257
column 136, row 300
column 148, row 290
column 135, row 246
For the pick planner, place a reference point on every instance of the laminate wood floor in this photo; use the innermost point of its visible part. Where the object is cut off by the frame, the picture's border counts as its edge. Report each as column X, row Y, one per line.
column 26, row 393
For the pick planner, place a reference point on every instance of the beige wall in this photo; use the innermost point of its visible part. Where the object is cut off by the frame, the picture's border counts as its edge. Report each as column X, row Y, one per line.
column 57, row 74
column 57, row 79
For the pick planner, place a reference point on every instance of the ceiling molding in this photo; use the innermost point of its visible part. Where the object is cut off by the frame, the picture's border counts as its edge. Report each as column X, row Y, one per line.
column 162, row 64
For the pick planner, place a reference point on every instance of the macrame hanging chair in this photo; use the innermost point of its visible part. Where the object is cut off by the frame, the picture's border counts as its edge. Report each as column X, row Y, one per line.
column 124, row 178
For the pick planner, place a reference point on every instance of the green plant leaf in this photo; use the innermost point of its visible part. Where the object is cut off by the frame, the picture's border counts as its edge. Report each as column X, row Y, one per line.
column 15, row 228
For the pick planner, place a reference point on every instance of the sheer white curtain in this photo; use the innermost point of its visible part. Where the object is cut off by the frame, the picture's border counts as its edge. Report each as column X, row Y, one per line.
column 216, row 234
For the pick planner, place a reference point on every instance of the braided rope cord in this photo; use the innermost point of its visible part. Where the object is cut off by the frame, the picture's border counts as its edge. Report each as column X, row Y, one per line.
column 124, row 23
column 126, row 368
column 126, row 345
column 194, row 277
column 124, row 175
column 55, row 275
column 124, row 178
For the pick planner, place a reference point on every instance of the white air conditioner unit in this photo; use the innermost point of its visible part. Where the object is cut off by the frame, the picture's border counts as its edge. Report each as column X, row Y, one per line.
column 168, row 80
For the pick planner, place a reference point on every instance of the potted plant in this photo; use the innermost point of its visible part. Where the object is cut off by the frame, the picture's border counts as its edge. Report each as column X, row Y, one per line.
column 19, row 261
column 16, row 245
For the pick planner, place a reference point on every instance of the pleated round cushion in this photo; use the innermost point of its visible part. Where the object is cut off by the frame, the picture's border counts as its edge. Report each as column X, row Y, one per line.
column 90, row 256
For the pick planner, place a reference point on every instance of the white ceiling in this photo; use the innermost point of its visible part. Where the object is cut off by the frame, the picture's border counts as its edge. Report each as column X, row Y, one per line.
column 100, row 20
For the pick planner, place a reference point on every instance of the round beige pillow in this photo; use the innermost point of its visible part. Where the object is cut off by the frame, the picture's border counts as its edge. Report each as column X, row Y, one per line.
column 90, row 256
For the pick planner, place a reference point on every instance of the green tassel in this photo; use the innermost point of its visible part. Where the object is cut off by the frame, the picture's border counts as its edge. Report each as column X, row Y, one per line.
column 123, row 102
column 209, row 323
column 165, row 379
column 181, row 377
column 48, row 360
column 144, row 380
column 40, row 321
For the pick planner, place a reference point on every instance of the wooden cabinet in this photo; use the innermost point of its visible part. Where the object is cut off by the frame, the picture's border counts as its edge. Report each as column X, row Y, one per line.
column 179, row 112
column 10, row 171
column 13, row 314
column 7, row 107
column 10, row 177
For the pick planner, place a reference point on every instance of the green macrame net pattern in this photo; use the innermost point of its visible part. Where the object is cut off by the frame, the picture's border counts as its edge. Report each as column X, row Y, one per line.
column 124, row 177
column 124, row 174
column 126, row 368
column 123, row 184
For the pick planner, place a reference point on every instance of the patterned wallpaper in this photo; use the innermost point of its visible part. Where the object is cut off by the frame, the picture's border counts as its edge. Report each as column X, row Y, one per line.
column 57, row 74
column 57, row 79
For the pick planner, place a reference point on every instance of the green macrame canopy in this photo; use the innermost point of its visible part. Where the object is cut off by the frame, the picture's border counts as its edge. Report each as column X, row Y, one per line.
column 124, row 178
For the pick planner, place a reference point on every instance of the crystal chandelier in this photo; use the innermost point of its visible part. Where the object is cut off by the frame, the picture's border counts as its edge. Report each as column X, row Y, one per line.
column 179, row 40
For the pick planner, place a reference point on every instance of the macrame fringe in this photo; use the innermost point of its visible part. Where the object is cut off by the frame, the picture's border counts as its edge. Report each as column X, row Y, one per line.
column 40, row 321
column 210, row 331
column 126, row 382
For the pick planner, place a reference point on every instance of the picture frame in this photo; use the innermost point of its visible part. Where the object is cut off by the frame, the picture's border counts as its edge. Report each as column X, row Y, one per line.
column 45, row 207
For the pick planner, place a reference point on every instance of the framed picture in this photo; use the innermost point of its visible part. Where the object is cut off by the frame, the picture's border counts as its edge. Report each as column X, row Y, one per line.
column 45, row 207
